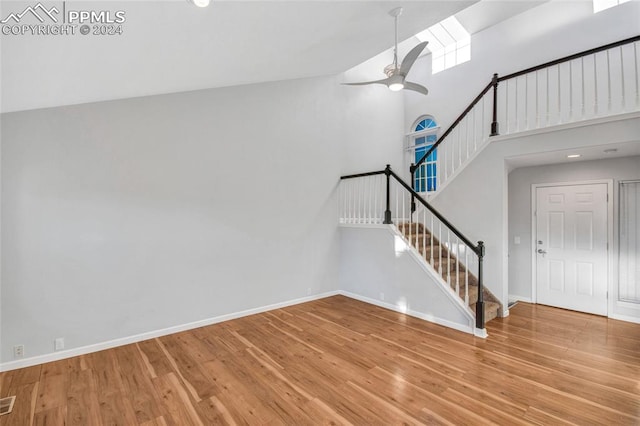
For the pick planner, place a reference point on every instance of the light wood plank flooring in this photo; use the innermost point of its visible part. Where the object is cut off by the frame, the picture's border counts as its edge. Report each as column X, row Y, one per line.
column 340, row 361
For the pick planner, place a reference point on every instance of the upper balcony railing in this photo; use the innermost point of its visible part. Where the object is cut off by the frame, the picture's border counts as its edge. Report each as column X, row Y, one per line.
column 595, row 83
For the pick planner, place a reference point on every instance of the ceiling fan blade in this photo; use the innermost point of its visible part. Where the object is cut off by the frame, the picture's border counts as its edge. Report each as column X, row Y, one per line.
column 383, row 81
column 411, row 57
column 415, row 87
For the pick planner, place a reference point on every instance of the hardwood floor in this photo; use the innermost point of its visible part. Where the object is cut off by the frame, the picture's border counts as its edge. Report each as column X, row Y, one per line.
column 340, row 361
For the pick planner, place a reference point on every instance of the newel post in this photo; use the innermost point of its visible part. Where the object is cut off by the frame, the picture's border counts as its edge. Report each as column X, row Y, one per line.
column 480, row 303
column 413, row 186
column 494, row 123
column 387, row 212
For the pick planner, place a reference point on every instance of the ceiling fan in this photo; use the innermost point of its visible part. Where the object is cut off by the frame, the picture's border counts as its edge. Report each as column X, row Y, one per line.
column 396, row 75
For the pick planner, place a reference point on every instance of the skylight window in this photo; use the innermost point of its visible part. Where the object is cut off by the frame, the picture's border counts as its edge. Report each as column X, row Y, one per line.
column 449, row 43
column 600, row 5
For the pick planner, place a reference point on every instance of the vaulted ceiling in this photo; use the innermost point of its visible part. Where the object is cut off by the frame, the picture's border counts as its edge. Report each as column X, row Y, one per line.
column 172, row 46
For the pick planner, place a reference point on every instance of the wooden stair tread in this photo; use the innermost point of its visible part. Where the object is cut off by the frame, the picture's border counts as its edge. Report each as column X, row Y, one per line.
column 448, row 267
column 491, row 310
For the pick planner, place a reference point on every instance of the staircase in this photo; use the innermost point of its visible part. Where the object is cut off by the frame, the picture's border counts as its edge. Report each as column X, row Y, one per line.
column 544, row 96
column 452, row 271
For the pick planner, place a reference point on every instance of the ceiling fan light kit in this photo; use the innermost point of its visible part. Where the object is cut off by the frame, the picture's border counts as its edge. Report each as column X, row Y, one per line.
column 395, row 83
column 199, row 3
column 396, row 75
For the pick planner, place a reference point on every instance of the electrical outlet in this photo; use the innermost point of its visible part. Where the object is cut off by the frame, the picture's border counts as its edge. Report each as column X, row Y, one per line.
column 58, row 344
column 18, row 351
column 382, row 296
column 308, row 291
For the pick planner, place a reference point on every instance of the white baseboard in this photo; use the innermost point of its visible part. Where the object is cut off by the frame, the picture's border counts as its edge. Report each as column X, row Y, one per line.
column 519, row 299
column 412, row 313
column 625, row 318
column 480, row 332
column 83, row 350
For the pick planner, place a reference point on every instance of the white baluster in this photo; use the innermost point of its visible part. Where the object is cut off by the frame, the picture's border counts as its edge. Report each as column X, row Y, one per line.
column 358, row 204
column 547, row 115
column 376, row 189
column 457, row 266
column 432, row 229
column 417, row 228
column 506, row 108
column 441, row 244
column 448, row 257
column 474, row 129
column 623, row 100
column 559, row 96
column 347, row 200
column 635, row 67
column 397, row 211
column 466, row 275
column 584, row 101
column 570, row 90
column 465, row 140
column 403, row 212
column 453, row 160
column 362, row 200
column 515, row 101
column 350, row 201
column 526, row 102
column 482, row 128
column 537, row 102
column 424, row 232
column 372, row 206
column 339, row 202
column 595, row 84
column 444, row 162
column 608, row 84
column 368, row 198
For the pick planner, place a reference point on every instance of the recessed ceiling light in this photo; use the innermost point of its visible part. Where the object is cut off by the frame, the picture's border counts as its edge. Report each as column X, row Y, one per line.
column 573, row 155
column 610, row 150
column 200, row 3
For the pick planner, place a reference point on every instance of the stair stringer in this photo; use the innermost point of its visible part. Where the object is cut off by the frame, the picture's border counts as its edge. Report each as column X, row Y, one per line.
column 444, row 287
column 378, row 267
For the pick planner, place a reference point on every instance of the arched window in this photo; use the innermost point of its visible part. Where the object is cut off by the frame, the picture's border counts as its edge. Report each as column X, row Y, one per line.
column 425, row 136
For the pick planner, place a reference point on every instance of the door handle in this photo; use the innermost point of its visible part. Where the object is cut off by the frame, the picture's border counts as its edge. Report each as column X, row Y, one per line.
column 542, row 251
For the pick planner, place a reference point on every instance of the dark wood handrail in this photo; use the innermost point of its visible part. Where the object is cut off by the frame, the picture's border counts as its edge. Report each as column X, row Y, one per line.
column 357, row 175
column 437, row 214
column 450, row 129
column 570, row 58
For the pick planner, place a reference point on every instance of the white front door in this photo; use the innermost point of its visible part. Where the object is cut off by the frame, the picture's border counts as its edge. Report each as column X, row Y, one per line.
column 571, row 247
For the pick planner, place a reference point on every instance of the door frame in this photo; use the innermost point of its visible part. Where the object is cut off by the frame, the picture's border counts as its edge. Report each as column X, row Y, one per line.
column 610, row 246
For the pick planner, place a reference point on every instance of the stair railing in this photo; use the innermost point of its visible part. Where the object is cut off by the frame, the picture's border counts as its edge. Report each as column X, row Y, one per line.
column 591, row 84
column 382, row 197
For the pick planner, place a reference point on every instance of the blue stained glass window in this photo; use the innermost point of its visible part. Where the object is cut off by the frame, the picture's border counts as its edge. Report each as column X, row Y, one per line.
column 425, row 176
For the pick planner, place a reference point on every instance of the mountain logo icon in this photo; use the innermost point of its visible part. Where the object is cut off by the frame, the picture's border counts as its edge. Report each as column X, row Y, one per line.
column 39, row 11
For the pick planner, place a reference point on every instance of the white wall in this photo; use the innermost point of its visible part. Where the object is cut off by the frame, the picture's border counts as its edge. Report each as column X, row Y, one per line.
column 126, row 217
column 378, row 268
column 520, row 181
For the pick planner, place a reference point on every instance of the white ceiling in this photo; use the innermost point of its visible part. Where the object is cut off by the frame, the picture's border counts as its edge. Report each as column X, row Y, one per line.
column 173, row 46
